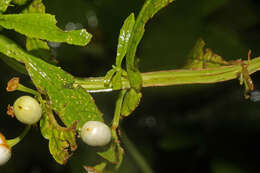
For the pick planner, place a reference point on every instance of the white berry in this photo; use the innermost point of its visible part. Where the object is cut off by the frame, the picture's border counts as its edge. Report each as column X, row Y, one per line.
column 5, row 151
column 95, row 133
column 5, row 154
column 27, row 110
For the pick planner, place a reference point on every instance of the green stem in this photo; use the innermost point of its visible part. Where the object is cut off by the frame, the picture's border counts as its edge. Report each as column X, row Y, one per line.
column 13, row 142
column 117, row 113
column 27, row 90
column 140, row 160
column 115, row 124
column 175, row 77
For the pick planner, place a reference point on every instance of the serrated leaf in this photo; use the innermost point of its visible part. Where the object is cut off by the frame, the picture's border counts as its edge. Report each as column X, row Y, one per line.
column 61, row 140
column 4, row 5
column 200, row 58
column 43, row 26
column 131, row 101
column 124, row 37
column 149, row 9
column 71, row 104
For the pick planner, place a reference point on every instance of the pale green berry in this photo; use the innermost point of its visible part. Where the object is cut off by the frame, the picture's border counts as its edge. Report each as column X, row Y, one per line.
column 27, row 110
column 95, row 133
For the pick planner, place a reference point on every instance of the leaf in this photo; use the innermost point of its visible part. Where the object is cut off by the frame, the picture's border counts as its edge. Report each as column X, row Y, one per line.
column 61, row 140
column 35, row 7
column 149, row 9
column 114, row 75
column 36, row 46
column 135, row 79
column 108, row 77
column 71, row 104
column 19, row 2
column 131, row 101
column 4, row 5
column 100, row 167
column 200, row 58
column 97, row 168
column 43, row 26
column 124, row 37
column 114, row 154
column 110, row 153
column 14, row 64
column 117, row 80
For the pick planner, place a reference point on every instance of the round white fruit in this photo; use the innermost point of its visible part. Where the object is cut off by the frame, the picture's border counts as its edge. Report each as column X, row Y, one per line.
column 5, row 154
column 27, row 110
column 95, row 133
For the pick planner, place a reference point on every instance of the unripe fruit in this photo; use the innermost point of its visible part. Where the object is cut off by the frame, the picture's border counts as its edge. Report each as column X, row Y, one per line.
column 95, row 133
column 5, row 151
column 27, row 110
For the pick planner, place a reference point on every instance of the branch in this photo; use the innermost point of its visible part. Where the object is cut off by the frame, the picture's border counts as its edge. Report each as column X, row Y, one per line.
column 176, row 77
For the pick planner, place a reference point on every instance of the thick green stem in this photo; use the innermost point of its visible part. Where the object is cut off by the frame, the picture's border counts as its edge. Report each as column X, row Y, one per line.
column 13, row 142
column 176, row 77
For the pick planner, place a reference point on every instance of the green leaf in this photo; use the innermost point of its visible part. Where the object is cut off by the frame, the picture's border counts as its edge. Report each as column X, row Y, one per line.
column 36, row 46
column 117, row 80
column 14, row 64
column 110, row 153
column 4, row 5
column 35, row 7
column 114, row 75
column 43, row 26
column 131, row 101
column 135, row 79
column 61, row 140
column 19, row 2
column 149, row 9
column 124, row 37
column 69, row 103
column 108, row 77
column 99, row 168
column 200, row 58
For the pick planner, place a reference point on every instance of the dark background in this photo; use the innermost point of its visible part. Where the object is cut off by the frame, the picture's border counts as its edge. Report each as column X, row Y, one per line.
column 193, row 128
